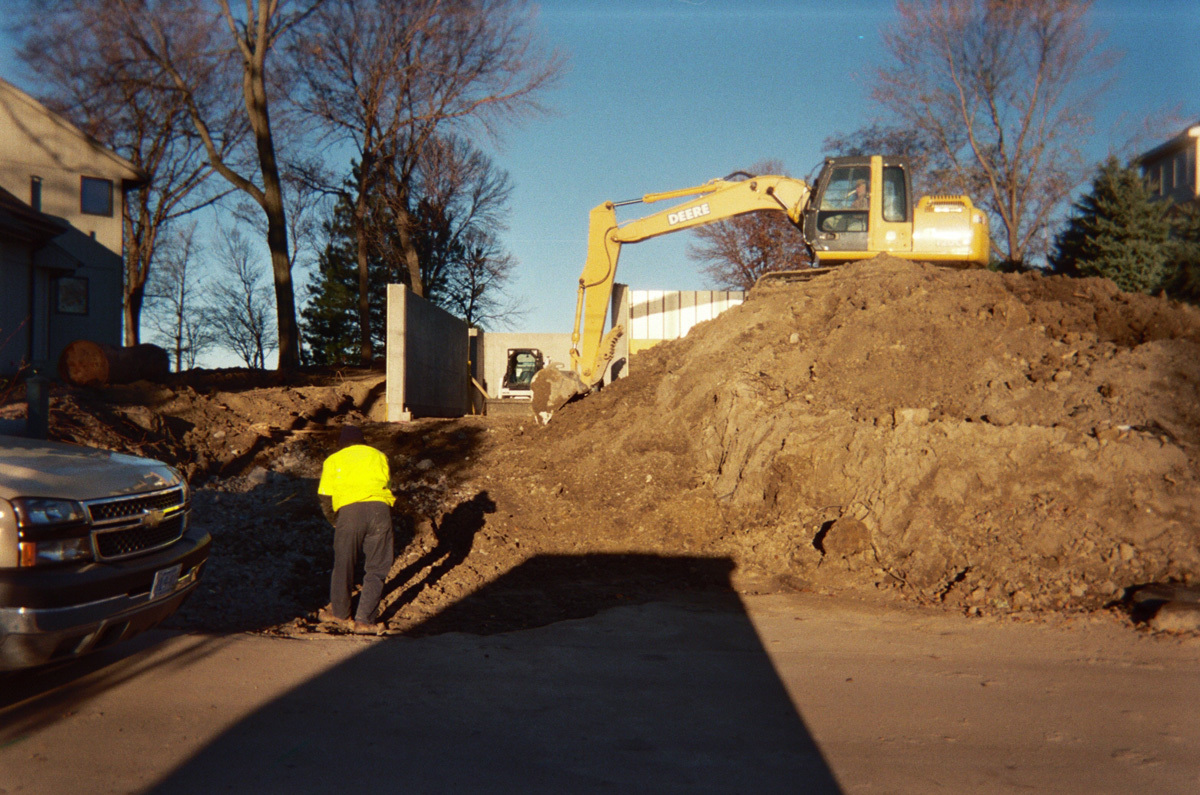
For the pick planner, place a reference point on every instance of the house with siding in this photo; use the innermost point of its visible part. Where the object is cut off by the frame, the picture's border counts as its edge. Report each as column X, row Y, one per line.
column 1173, row 168
column 62, row 200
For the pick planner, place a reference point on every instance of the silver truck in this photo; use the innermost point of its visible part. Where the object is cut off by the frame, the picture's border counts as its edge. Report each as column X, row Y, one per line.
column 94, row 548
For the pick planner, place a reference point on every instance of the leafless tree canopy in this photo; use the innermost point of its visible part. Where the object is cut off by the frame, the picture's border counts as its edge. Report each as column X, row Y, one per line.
column 239, row 306
column 733, row 253
column 1003, row 89
column 197, row 49
column 389, row 78
column 459, row 217
column 257, row 91
column 175, row 312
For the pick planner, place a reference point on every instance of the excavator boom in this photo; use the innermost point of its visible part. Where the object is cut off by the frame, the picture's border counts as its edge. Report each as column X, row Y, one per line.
column 715, row 200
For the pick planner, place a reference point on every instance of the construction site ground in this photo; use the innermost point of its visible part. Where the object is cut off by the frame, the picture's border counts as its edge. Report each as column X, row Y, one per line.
column 959, row 439
column 890, row 439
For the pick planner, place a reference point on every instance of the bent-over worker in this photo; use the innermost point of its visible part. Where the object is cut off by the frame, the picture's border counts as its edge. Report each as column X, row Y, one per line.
column 355, row 497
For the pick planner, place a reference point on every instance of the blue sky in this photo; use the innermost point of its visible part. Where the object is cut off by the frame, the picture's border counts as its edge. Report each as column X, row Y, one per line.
column 663, row 94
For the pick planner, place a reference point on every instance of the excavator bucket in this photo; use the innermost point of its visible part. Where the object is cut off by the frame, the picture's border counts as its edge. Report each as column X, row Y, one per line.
column 551, row 389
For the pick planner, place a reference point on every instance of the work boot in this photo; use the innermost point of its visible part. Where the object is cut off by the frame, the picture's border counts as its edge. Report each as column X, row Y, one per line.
column 326, row 616
column 365, row 628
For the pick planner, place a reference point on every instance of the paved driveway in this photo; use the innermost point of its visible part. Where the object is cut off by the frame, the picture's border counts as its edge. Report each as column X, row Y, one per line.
column 725, row 693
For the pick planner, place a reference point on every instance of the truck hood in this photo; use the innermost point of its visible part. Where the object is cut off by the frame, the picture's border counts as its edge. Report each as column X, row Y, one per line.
column 37, row 468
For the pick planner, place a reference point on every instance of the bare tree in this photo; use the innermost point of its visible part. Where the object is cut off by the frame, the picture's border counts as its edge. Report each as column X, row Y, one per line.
column 386, row 77
column 475, row 291
column 736, row 251
column 460, row 212
column 174, row 313
column 89, row 72
column 239, row 303
column 306, row 206
column 1004, row 90
column 194, row 48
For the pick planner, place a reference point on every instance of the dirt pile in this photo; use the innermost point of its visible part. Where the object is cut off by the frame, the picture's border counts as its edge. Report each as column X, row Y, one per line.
column 988, row 442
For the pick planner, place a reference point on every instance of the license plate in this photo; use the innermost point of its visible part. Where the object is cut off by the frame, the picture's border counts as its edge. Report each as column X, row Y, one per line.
column 164, row 582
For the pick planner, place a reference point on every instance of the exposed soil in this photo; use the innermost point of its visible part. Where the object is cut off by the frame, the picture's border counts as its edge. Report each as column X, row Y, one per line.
column 989, row 443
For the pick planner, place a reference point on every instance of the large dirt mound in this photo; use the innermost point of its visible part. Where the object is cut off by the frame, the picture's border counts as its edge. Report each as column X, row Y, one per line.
column 991, row 440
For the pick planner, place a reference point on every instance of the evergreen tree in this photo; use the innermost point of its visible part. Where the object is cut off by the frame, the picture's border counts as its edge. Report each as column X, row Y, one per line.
column 1185, row 261
column 330, row 318
column 453, row 206
column 1117, row 231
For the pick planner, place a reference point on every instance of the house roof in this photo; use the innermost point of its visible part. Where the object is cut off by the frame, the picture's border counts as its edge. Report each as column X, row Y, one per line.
column 20, row 221
column 1192, row 131
column 129, row 173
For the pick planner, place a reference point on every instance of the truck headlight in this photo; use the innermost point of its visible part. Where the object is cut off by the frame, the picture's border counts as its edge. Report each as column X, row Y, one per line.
column 39, row 512
column 65, row 550
column 38, row 515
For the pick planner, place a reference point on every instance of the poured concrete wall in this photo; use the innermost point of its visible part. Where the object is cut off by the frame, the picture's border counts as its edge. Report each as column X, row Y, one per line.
column 428, row 351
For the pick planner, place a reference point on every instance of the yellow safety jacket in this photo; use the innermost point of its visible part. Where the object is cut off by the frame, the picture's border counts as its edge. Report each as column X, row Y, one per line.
column 358, row 473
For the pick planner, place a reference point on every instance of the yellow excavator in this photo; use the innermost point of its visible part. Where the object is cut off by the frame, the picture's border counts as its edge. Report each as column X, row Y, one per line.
column 858, row 207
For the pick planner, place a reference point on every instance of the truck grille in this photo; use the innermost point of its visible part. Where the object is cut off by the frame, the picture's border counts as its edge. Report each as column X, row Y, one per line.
column 128, row 526
column 123, row 507
column 114, row 544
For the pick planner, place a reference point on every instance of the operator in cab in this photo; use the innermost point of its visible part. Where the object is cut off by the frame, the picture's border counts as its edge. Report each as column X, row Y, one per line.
column 356, row 499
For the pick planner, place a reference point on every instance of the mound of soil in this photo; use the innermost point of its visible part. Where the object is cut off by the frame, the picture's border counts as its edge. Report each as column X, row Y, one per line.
column 965, row 437
column 990, row 442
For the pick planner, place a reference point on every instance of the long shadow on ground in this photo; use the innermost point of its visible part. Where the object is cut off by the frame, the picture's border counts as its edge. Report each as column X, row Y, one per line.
column 668, row 696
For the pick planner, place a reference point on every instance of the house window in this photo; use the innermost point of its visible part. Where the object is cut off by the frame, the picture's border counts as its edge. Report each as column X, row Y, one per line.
column 96, row 196
column 71, row 295
column 35, row 193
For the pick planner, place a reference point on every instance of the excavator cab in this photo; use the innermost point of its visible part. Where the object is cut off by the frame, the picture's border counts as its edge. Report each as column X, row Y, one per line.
column 860, row 205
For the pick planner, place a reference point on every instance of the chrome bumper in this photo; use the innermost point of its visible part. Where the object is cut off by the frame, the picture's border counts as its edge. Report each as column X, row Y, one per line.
column 30, row 637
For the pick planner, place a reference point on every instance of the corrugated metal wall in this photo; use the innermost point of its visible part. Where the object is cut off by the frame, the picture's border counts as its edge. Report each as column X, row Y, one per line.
column 657, row 315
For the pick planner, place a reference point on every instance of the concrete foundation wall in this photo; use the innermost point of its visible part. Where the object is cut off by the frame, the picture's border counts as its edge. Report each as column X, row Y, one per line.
column 427, row 358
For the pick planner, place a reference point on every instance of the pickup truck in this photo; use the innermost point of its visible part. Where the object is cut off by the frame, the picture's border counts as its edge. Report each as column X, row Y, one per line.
column 94, row 548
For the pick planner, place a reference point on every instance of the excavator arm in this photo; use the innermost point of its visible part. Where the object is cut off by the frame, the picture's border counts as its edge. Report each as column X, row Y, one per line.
column 715, row 200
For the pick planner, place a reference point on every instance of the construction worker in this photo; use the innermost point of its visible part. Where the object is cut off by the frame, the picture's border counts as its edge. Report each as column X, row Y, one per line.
column 859, row 198
column 356, row 500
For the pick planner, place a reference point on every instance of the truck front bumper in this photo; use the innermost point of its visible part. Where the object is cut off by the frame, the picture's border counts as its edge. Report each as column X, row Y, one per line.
column 52, row 614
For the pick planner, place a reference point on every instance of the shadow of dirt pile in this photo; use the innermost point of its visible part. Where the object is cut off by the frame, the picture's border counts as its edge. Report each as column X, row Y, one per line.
column 271, row 555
